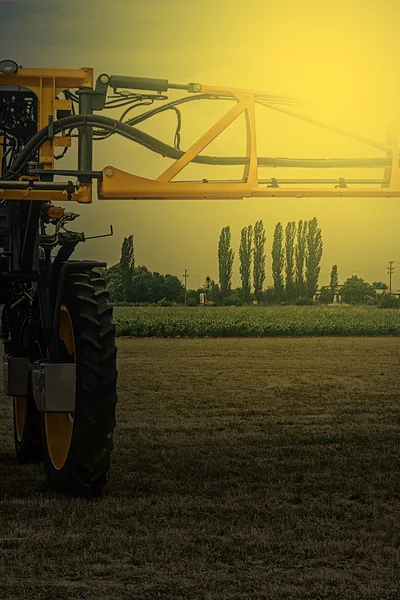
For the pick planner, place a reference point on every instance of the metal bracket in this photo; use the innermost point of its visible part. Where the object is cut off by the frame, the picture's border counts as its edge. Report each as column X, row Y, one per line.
column 274, row 183
column 15, row 376
column 50, row 128
column 53, row 387
column 93, row 237
column 342, row 183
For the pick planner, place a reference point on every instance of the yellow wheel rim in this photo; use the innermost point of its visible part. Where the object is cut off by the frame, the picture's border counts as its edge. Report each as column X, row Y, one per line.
column 20, row 403
column 58, row 426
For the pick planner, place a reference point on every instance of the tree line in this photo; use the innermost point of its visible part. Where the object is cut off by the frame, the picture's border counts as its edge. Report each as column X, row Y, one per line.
column 130, row 284
column 295, row 268
column 296, row 256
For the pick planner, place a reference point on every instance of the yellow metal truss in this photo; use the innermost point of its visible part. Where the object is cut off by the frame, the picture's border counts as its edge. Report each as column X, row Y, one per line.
column 117, row 184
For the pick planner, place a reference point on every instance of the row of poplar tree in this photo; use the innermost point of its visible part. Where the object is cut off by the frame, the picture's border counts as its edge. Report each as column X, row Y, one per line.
column 296, row 256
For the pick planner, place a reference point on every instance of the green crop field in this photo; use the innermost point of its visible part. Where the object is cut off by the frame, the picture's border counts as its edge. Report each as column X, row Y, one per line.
column 256, row 321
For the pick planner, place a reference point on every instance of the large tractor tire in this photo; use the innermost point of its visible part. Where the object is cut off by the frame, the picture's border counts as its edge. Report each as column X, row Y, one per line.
column 27, row 430
column 26, row 417
column 77, row 446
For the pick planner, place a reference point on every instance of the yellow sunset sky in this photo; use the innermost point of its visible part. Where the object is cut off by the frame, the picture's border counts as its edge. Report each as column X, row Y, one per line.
column 341, row 57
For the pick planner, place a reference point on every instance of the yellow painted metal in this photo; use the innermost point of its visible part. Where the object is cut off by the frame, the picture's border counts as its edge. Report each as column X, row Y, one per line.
column 63, row 78
column 124, row 185
column 83, row 195
column 46, row 84
column 119, row 184
column 388, row 170
column 203, row 142
column 395, row 174
column 20, row 404
column 59, row 426
column 62, row 141
column 62, row 104
column 250, row 172
column 214, row 90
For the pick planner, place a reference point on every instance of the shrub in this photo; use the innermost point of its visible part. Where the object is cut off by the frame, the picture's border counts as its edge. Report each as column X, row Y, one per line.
column 326, row 295
column 191, row 301
column 269, row 295
column 357, row 291
column 389, row 301
column 233, row 300
column 304, row 301
column 164, row 302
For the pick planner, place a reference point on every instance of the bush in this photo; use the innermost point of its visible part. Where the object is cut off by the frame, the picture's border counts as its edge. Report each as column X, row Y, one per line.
column 326, row 295
column 269, row 295
column 233, row 300
column 304, row 301
column 191, row 301
column 164, row 302
column 389, row 301
column 357, row 291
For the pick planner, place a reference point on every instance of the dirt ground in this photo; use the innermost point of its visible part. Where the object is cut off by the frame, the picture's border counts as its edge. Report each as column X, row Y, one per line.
column 243, row 469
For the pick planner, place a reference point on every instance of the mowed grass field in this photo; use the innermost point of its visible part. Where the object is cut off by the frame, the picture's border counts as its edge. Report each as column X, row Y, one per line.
column 243, row 469
column 256, row 321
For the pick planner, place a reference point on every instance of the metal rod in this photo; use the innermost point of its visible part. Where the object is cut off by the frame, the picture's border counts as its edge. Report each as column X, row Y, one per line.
column 67, row 173
column 348, row 134
column 290, row 181
column 85, row 134
column 34, row 185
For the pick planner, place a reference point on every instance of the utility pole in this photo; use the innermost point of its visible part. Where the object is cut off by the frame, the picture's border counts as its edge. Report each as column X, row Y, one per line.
column 185, row 276
column 390, row 273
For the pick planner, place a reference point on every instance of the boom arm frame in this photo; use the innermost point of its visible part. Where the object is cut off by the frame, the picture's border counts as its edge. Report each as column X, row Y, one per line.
column 116, row 184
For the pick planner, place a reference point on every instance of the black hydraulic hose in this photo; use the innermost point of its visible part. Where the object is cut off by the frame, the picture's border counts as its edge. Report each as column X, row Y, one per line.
column 169, row 105
column 160, row 147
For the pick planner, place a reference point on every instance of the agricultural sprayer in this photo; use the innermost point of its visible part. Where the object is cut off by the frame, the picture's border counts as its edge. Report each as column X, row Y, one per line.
column 57, row 327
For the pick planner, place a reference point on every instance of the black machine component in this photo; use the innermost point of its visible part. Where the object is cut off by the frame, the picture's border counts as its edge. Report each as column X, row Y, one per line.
column 19, row 221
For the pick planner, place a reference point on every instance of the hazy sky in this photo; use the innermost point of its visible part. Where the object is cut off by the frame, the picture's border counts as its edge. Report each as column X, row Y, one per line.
column 342, row 57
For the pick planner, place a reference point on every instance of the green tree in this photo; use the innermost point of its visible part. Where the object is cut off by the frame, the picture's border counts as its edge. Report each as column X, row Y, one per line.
column 142, row 286
column 245, row 255
column 207, row 283
column 127, row 265
column 289, row 250
column 325, row 295
column 334, row 282
column 380, row 285
column 172, row 288
column 259, row 259
column 278, row 261
column 112, row 277
column 215, row 294
column 313, row 256
column 357, row 291
column 300, row 252
column 225, row 261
